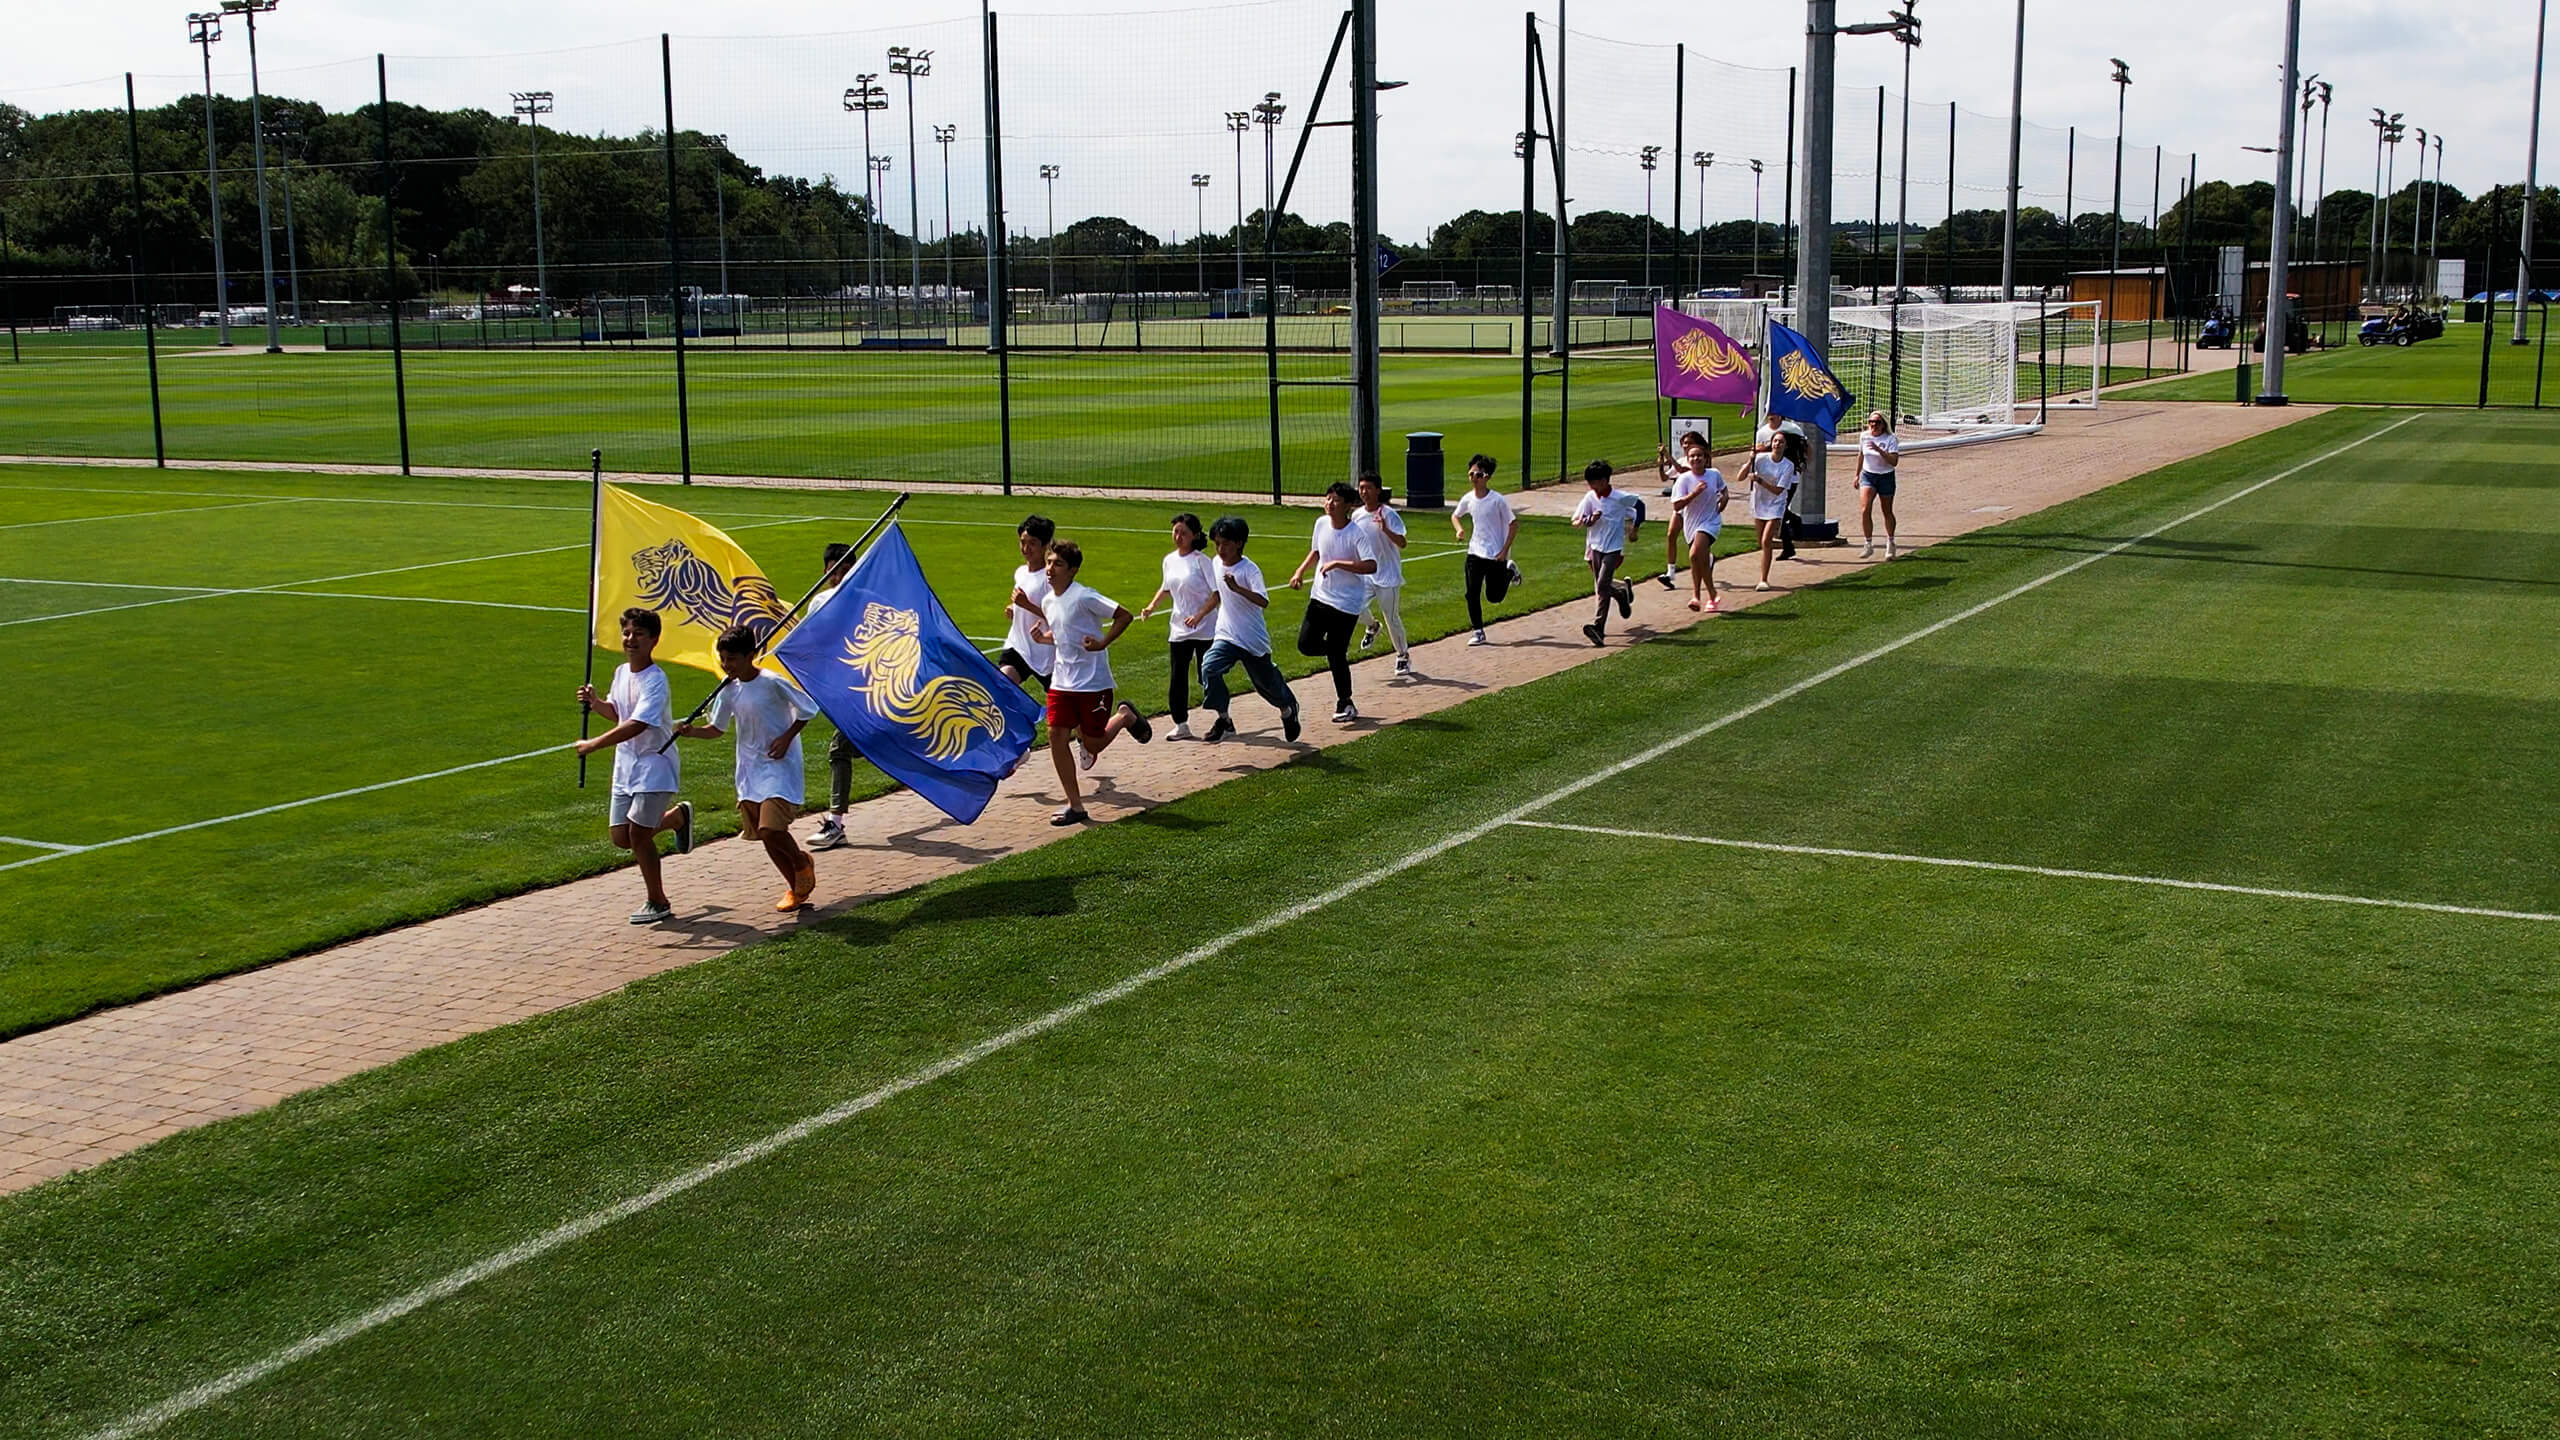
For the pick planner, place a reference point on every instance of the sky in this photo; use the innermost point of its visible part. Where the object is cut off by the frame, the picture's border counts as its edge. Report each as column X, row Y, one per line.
column 1127, row 97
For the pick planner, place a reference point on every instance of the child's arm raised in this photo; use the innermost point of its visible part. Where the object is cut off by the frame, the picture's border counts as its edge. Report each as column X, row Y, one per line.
column 588, row 697
column 1259, row 599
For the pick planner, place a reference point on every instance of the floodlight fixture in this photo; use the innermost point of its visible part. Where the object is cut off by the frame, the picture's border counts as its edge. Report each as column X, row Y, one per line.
column 911, row 63
column 1049, row 177
column 1649, row 157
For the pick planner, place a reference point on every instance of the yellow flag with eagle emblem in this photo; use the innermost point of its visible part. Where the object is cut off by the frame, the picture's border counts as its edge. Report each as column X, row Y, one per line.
column 700, row 581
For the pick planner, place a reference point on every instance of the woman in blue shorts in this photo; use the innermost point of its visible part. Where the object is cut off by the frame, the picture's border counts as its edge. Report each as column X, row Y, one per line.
column 1879, row 455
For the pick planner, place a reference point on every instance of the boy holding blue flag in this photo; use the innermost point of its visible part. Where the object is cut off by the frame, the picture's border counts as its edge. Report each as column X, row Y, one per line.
column 768, row 712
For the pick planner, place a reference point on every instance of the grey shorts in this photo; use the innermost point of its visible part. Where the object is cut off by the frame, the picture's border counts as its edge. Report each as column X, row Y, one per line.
column 644, row 808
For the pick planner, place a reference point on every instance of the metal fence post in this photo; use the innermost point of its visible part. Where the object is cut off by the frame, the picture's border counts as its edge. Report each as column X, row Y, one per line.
column 391, row 259
column 675, row 260
column 142, row 271
column 999, row 251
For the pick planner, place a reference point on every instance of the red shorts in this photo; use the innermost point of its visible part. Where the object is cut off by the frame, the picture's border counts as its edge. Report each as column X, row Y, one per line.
column 1079, row 710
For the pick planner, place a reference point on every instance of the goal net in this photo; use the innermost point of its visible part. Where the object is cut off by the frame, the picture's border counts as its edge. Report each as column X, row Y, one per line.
column 1429, row 292
column 1967, row 367
column 1496, row 296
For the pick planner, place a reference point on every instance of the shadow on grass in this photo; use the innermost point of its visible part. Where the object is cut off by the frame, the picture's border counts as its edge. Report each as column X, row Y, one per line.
column 1028, row 897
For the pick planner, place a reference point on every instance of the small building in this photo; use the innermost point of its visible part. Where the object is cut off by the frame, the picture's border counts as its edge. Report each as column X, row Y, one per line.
column 2322, row 289
column 2130, row 294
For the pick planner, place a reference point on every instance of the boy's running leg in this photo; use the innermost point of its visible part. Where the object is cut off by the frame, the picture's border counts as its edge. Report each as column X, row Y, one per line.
column 830, row 831
column 1214, row 666
column 1391, row 609
column 1063, row 756
column 1271, row 685
column 1475, row 596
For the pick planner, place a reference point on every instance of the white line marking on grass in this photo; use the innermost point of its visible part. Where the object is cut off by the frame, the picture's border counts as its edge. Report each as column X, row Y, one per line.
column 146, row 514
column 2048, row 871
column 456, row 1281
column 40, row 844
column 378, row 785
column 197, row 592
column 292, row 587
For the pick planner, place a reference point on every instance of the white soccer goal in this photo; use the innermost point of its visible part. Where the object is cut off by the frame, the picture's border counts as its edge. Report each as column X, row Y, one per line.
column 1595, row 297
column 1489, row 296
column 1430, row 292
column 1966, row 368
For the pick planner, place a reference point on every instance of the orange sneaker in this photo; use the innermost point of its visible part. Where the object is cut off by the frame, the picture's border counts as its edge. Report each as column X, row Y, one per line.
column 791, row 900
column 806, row 883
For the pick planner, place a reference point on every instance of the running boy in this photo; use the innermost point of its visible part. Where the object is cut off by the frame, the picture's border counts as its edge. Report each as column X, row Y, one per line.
column 645, row 770
column 768, row 713
column 1342, row 565
column 1243, row 634
column 1080, row 626
column 1023, row 657
column 1490, row 573
column 1383, row 529
column 1612, row 516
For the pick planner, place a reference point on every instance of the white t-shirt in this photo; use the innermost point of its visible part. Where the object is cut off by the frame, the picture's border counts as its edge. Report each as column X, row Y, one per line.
column 1073, row 614
column 1033, row 581
column 1188, row 584
column 1489, row 522
column 756, row 713
column 1609, row 515
column 1341, row 589
column 1780, row 472
column 1375, row 527
column 1699, row 498
column 638, row 768
column 1878, row 454
column 1240, row 622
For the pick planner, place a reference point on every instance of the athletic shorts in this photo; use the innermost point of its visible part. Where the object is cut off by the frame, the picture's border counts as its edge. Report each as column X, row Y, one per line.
column 1881, row 484
column 644, row 808
column 762, row 815
column 1075, row 711
column 1012, row 658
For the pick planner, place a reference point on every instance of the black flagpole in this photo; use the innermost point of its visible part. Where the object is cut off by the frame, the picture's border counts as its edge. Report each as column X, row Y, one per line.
column 587, row 641
column 793, row 613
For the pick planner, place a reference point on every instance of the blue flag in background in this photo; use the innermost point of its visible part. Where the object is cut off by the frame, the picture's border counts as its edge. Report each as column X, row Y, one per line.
column 885, row 663
column 1801, row 387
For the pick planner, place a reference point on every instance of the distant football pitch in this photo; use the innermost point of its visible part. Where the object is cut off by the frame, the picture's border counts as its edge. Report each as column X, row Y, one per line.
column 2095, row 976
column 1156, row 419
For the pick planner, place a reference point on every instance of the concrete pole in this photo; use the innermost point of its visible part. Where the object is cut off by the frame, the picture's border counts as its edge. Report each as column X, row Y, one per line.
column 1563, row 337
column 1364, row 236
column 1813, row 263
column 2532, row 158
column 2280, row 228
column 2017, row 107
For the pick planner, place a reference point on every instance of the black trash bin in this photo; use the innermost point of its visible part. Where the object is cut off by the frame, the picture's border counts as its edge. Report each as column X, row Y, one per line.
column 1426, row 471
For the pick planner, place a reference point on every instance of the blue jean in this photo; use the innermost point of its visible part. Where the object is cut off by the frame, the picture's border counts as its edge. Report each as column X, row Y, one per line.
column 1267, row 682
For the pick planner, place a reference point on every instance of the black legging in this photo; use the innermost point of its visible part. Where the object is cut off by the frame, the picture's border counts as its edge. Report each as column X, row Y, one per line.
column 1327, row 632
column 1486, row 580
column 1186, row 660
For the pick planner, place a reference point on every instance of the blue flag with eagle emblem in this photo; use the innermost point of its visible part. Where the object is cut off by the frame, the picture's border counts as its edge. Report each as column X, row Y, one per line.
column 884, row 662
column 1801, row 387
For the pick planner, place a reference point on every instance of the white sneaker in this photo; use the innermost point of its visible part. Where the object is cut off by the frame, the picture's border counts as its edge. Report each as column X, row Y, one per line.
column 828, row 835
column 1479, row 639
column 1084, row 757
column 1889, row 551
column 1180, row 732
column 1868, row 550
column 1404, row 669
column 653, row 914
column 1369, row 635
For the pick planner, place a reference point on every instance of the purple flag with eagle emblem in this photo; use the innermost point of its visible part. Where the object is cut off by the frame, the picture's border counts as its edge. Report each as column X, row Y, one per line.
column 1693, row 360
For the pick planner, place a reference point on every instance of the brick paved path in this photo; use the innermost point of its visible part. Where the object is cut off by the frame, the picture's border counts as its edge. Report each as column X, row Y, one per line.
column 84, row 1092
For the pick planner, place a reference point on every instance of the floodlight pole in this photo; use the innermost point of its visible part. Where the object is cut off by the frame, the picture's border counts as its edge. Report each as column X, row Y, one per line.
column 2532, row 160
column 2017, row 113
column 204, row 29
column 1238, row 122
column 2418, row 213
column 719, row 215
column 288, row 139
column 2115, row 226
column 1907, row 34
column 2390, row 187
column 943, row 135
column 2302, row 161
column 533, row 105
column 2320, row 210
column 2279, row 229
column 863, row 97
column 1365, row 447
column 1562, row 339
column 1049, row 178
column 2382, row 123
column 1702, row 159
column 250, row 10
column 912, row 64
column 1200, row 231
column 1755, row 216
column 1813, row 252
column 1649, row 157
column 2435, row 216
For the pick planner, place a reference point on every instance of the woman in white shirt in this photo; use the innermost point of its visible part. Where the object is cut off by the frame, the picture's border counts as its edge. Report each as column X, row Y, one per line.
column 1698, row 498
column 1879, row 454
column 1775, row 463
column 1190, row 595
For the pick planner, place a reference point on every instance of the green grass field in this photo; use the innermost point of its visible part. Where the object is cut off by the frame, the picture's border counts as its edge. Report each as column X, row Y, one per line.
column 450, row 637
column 1153, row 420
column 2443, row 371
column 1433, row 1118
